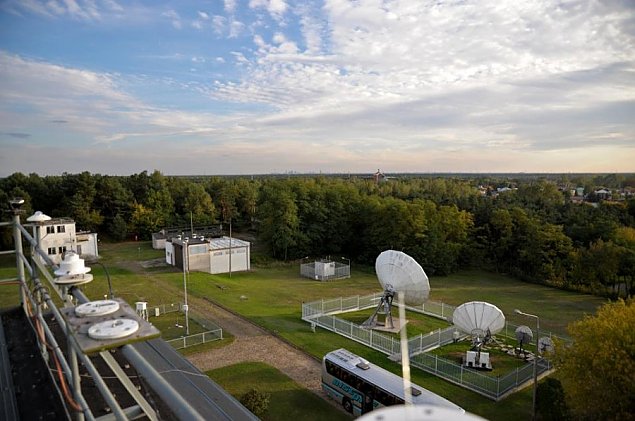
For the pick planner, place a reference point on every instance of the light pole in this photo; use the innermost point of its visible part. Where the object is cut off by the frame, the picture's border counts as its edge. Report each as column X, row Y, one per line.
column 533, row 406
column 185, row 306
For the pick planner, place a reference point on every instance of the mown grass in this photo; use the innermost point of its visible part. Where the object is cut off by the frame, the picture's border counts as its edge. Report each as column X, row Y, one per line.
column 288, row 400
column 271, row 296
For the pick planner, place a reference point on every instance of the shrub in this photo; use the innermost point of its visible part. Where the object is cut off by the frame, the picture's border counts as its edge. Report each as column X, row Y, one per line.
column 256, row 401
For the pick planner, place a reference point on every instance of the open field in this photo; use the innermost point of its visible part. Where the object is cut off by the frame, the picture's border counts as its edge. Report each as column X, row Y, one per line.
column 271, row 296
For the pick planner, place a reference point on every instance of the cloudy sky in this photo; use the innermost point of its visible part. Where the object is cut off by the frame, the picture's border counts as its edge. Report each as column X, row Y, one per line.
column 263, row 86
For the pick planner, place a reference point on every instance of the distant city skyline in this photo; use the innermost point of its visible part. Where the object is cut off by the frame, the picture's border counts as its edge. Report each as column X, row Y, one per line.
column 272, row 86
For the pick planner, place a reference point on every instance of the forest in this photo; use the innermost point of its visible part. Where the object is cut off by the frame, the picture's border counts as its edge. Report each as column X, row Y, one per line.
column 532, row 229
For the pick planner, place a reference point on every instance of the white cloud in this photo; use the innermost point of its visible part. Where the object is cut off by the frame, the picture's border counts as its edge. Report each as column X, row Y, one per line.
column 218, row 23
column 174, row 18
column 230, row 6
column 203, row 15
column 276, row 8
column 86, row 10
column 236, row 28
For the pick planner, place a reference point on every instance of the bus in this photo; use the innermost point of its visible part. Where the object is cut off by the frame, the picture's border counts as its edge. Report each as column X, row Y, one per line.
column 361, row 386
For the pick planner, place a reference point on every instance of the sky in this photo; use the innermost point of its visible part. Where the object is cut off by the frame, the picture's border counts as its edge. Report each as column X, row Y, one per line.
column 273, row 86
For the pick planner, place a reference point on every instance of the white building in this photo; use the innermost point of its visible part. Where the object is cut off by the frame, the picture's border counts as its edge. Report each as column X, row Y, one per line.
column 58, row 235
column 213, row 255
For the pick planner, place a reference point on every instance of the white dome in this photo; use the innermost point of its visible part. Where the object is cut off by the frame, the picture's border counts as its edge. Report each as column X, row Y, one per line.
column 477, row 317
column 402, row 273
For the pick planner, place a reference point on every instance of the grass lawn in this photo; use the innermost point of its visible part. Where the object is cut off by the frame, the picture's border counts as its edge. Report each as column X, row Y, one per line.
column 417, row 323
column 288, row 400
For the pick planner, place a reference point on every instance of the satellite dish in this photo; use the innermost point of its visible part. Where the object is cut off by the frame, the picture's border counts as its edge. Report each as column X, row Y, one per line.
column 398, row 273
column 481, row 320
column 545, row 345
column 524, row 335
column 478, row 318
column 418, row 413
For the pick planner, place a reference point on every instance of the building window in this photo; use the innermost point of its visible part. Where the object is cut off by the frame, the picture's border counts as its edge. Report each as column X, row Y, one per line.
column 61, row 228
column 199, row 249
column 50, row 229
column 62, row 250
column 51, row 251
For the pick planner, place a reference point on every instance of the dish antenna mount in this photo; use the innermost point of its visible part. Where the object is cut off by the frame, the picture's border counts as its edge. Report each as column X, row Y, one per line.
column 397, row 272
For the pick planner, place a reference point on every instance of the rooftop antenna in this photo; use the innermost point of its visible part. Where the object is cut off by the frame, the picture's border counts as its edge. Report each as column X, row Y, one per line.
column 481, row 320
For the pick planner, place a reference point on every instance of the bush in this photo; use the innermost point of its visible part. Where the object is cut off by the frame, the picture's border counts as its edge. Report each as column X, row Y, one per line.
column 256, row 401
column 550, row 401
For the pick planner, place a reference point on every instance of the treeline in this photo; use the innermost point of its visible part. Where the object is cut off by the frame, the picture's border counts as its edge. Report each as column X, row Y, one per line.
column 533, row 232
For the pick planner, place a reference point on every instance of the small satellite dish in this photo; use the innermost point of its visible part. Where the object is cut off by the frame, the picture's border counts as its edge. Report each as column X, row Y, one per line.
column 478, row 317
column 400, row 272
column 545, row 345
column 397, row 272
column 524, row 335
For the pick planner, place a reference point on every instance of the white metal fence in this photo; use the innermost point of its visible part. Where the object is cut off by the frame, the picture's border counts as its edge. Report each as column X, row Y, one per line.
column 323, row 313
column 316, row 270
column 196, row 339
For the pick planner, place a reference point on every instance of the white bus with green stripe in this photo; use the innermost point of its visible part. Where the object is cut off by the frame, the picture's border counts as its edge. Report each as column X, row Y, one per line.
column 361, row 386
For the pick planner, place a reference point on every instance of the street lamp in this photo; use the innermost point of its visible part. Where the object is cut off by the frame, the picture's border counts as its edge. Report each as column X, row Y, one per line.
column 185, row 306
column 533, row 407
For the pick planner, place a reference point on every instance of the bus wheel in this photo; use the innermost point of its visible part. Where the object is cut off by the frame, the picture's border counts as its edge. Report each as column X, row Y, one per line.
column 348, row 406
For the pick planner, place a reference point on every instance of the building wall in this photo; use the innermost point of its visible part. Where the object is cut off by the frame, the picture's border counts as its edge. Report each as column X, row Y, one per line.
column 57, row 238
column 240, row 260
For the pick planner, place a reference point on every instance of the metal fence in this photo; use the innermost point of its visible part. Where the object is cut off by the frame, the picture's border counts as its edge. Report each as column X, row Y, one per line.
column 156, row 311
column 196, row 339
column 325, row 270
column 323, row 313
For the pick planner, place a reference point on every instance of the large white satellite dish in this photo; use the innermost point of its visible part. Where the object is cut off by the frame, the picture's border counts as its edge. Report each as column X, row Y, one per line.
column 481, row 320
column 398, row 273
column 478, row 317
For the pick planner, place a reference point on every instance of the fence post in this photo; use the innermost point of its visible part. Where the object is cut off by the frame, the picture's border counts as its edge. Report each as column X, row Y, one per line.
column 442, row 310
column 461, row 374
column 184, row 344
column 421, row 342
column 436, row 364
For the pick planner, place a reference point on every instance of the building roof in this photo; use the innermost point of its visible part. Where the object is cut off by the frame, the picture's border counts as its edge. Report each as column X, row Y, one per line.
column 223, row 243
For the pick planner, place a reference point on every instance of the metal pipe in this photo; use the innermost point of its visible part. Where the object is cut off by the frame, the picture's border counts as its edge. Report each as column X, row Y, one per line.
column 103, row 388
column 172, row 398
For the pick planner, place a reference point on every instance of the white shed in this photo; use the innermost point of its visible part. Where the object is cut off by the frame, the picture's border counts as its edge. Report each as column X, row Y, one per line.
column 229, row 255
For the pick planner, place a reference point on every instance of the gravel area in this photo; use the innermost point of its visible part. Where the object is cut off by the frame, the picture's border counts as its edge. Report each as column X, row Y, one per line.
column 255, row 344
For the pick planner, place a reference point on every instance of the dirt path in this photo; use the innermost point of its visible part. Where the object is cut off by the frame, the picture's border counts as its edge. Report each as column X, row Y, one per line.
column 255, row 344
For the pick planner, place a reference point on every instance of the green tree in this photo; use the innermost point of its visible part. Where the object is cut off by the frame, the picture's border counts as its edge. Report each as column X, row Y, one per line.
column 550, row 401
column 598, row 370
column 279, row 223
